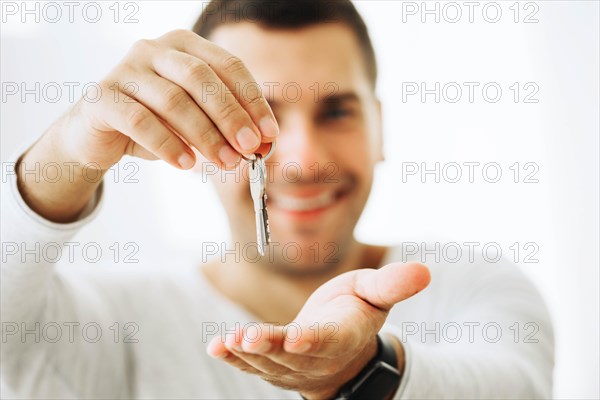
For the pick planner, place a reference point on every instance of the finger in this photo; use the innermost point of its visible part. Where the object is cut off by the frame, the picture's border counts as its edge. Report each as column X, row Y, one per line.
column 264, row 149
column 139, row 123
column 390, row 284
column 233, row 73
column 257, row 341
column 261, row 338
column 211, row 94
column 299, row 363
column 264, row 364
column 136, row 150
column 216, row 348
column 331, row 337
column 240, row 364
column 271, row 359
column 175, row 106
column 267, row 340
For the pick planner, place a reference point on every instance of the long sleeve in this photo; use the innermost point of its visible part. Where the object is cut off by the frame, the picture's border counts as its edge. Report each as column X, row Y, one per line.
column 481, row 330
column 450, row 331
column 50, row 346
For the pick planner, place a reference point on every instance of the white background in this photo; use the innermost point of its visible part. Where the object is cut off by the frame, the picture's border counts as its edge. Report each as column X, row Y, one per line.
column 559, row 133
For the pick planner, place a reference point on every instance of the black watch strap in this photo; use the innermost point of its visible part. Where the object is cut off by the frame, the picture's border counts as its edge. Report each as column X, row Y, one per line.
column 378, row 379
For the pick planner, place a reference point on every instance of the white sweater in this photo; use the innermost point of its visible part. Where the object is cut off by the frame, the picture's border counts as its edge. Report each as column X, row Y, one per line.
column 155, row 324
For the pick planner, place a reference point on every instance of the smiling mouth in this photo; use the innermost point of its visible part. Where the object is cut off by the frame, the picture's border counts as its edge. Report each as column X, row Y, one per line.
column 306, row 203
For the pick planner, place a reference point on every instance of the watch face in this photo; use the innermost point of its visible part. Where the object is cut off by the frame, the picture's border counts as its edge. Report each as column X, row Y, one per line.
column 382, row 381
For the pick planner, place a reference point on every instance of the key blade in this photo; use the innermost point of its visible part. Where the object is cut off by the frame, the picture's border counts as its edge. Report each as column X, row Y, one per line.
column 256, row 184
column 257, row 174
column 260, row 232
column 265, row 216
column 267, row 231
column 265, row 220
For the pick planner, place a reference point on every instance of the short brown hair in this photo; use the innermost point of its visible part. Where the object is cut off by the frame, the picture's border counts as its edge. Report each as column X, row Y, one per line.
column 289, row 14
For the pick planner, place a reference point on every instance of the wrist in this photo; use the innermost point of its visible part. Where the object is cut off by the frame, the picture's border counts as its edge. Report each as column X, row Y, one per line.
column 400, row 357
column 51, row 185
column 334, row 385
column 380, row 378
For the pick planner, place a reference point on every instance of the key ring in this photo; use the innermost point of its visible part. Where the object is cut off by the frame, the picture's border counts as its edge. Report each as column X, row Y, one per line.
column 253, row 156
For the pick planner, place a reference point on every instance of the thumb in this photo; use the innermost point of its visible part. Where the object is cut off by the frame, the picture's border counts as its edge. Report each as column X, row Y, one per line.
column 391, row 284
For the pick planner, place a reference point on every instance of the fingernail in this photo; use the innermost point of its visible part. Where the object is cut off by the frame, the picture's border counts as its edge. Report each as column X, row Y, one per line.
column 233, row 345
column 219, row 355
column 229, row 156
column 186, row 161
column 268, row 127
column 303, row 348
column 247, row 139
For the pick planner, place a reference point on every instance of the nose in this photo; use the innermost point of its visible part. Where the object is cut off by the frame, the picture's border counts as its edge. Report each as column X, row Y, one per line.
column 300, row 147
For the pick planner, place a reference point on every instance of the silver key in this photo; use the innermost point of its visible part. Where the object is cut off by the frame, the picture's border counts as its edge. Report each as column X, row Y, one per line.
column 258, row 182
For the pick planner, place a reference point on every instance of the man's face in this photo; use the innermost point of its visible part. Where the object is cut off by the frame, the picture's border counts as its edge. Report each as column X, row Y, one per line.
column 320, row 175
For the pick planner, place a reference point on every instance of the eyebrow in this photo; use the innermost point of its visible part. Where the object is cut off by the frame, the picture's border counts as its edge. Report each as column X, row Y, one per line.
column 343, row 97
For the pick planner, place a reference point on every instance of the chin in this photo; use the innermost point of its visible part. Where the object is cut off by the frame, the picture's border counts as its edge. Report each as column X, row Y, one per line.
column 313, row 231
column 301, row 267
column 310, row 248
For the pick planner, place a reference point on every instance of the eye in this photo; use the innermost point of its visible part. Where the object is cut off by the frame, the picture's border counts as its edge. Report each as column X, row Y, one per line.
column 336, row 112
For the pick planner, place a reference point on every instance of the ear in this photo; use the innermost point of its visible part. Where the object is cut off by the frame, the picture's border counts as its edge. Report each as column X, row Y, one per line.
column 378, row 134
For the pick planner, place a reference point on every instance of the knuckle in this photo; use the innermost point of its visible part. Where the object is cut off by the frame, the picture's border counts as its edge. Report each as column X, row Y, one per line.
column 174, row 99
column 139, row 118
column 209, row 136
column 163, row 144
column 197, row 71
column 233, row 64
column 144, row 44
column 176, row 33
column 178, row 36
column 228, row 110
column 255, row 97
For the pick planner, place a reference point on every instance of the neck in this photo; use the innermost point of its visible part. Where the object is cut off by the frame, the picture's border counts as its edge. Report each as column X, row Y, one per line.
column 274, row 294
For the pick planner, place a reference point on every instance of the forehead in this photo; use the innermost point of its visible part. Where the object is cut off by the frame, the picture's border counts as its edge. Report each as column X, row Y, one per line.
column 317, row 54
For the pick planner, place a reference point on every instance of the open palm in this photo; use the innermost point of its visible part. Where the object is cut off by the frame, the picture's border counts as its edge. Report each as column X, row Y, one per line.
column 332, row 337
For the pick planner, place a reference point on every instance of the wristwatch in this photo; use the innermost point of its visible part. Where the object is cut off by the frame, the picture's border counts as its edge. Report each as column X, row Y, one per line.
column 378, row 380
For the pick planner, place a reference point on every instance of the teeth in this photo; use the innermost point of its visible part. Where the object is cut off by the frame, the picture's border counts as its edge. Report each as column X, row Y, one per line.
column 304, row 203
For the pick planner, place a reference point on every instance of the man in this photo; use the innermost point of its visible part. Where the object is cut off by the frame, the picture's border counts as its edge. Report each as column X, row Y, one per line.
column 312, row 325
